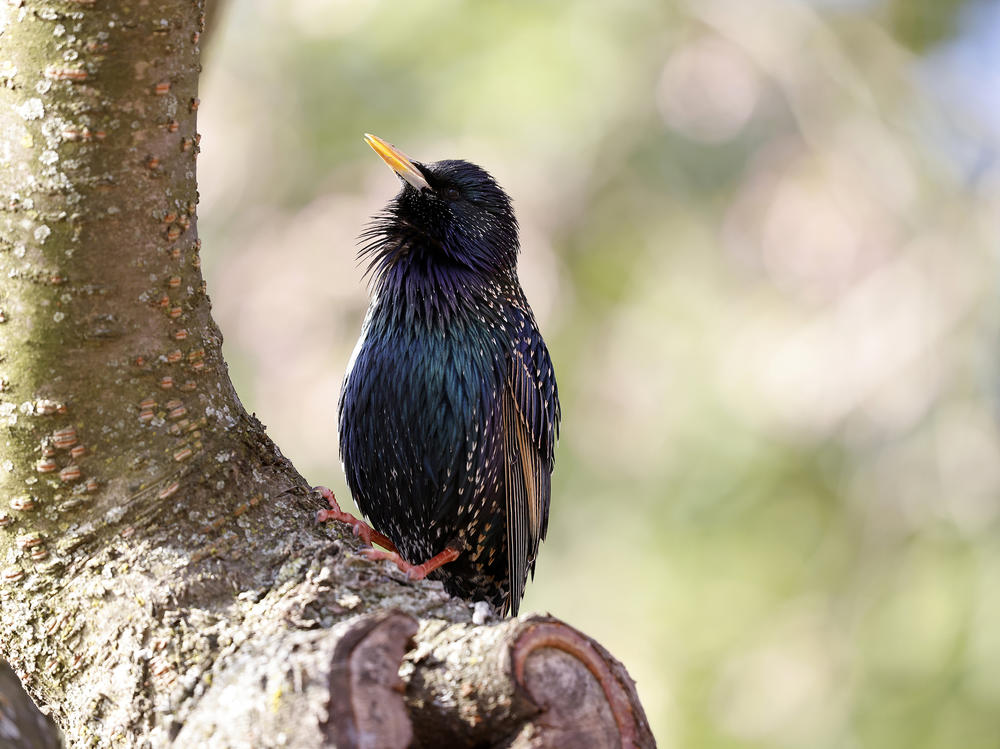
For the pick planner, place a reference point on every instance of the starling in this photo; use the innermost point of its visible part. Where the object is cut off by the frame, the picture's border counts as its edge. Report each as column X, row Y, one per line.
column 449, row 412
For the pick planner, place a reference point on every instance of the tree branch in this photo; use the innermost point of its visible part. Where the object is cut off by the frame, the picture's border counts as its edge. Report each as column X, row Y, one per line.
column 532, row 681
column 165, row 582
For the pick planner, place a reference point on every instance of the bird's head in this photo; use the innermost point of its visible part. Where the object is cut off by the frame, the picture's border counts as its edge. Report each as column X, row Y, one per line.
column 452, row 210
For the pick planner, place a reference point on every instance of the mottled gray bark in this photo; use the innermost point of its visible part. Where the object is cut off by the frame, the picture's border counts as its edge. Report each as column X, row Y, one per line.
column 163, row 579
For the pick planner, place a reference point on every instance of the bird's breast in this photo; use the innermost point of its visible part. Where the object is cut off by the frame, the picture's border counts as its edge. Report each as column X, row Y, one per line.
column 419, row 416
column 434, row 382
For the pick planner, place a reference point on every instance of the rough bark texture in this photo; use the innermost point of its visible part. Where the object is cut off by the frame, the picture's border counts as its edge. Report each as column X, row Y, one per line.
column 163, row 581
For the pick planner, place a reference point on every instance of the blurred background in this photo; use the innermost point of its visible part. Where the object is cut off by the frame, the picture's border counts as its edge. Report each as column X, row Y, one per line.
column 761, row 241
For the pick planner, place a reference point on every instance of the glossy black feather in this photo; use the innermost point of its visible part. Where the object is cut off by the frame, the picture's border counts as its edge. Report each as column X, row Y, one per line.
column 449, row 412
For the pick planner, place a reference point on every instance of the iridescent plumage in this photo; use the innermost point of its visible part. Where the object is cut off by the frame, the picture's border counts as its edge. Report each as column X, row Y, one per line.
column 449, row 411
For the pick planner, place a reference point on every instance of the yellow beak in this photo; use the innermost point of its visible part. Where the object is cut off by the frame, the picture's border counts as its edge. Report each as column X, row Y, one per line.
column 398, row 161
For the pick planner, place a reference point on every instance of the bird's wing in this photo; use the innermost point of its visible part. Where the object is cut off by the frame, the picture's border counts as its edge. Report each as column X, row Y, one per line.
column 530, row 414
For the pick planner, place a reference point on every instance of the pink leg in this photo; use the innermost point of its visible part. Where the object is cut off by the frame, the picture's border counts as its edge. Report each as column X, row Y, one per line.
column 413, row 571
column 361, row 529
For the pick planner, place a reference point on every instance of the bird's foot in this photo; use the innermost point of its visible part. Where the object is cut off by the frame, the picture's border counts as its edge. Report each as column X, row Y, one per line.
column 360, row 528
column 413, row 571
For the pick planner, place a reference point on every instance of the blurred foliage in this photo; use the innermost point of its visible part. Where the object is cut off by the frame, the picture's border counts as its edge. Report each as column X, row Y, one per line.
column 921, row 24
column 766, row 272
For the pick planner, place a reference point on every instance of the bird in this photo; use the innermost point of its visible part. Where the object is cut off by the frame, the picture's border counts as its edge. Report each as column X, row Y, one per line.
column 449, row 412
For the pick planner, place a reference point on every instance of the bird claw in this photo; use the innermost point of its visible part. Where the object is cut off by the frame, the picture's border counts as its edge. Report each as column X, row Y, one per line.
column 412, row 571
column 374, row 555
column 377, row 555
column 370, row 536
column 359, row 528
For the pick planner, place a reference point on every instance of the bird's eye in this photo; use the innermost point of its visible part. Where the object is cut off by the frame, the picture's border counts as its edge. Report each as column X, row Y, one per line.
column 451, row 193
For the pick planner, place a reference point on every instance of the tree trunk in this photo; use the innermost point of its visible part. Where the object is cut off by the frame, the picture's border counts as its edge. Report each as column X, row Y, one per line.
column 163, row 578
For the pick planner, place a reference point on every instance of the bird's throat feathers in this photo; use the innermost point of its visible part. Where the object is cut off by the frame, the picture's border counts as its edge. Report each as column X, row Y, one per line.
column 418, row 274
column 446, row 248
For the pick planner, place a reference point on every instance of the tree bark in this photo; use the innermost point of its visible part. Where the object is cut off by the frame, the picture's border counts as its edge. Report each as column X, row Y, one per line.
column 163, row 579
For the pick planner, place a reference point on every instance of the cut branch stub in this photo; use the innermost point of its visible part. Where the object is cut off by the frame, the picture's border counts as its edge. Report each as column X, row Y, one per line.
column 305, row 688
column 535, row 681
column 587, row 697
column 366, row 709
